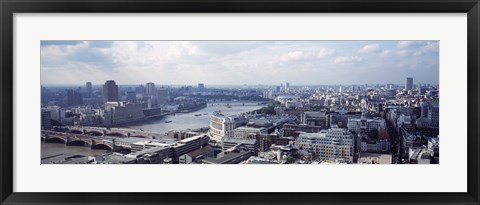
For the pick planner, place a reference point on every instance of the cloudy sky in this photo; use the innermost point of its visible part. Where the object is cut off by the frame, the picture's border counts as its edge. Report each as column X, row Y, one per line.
column 239, row 62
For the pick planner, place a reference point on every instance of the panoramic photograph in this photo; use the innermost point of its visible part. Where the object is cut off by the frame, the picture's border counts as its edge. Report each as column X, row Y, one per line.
column 239, row 102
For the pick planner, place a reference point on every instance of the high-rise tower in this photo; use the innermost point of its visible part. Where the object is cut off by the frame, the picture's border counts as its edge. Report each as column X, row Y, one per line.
column 110, row 91
column 409, row 83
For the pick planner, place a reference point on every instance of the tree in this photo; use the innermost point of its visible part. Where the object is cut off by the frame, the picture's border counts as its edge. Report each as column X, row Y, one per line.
column 290, row 160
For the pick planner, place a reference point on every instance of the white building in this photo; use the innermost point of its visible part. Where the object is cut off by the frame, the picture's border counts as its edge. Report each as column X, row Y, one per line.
column 331, row 144
column 288, row 99
column 245, row 132
column 223, row 126
column 374, row 158
column 120, row 112
column 357, row 125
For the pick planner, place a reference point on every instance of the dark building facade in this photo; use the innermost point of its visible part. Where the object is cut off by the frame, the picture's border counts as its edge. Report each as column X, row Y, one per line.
column 110, row 91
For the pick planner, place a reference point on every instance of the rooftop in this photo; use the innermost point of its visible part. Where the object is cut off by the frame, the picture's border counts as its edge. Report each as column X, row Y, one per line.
column 227, row 158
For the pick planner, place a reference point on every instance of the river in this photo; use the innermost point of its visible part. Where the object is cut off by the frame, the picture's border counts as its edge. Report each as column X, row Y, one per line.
column 183, row 121
column 50, row 149
column 180, row 121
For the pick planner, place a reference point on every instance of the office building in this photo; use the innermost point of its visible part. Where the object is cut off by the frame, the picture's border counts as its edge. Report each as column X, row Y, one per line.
column 131, row 96
column 314, row 119
column 331, row 144
column 162, row 95
column 120, row 112
column 364, row 125
column 223, row 126
column 150, row 89
column 409, row 84
column 110, row 91
column 46, row 123
column 232, row 143
column 89, row 90
column 74, row 97
column 245, row 132
column 429, row 115
column 229, row 158
column 293, row 130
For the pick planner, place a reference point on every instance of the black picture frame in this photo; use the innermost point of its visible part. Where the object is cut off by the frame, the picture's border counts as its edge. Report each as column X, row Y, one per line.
column 10, row 7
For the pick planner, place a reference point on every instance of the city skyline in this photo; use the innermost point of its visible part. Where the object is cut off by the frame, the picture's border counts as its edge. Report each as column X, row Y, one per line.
column 218, row 63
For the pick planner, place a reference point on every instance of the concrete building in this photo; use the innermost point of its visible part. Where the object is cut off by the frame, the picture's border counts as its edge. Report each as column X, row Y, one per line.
column 110, row 91
column 150, row 89
column 131, row 96
column 287, row 99
column 74, row 97
column 266, row 140
column 162, row 96
column 245, row 132
column 411, row 138
column 374, row 158
column 56, row 113
column 409, row 84
column 340, row 118
column 315, row 119
column 232, row 143
column 157, row 152
column 375, row 146
column 229, row 158
column 88, row 90
column 419, row 156
column 331, row 144
column 223, row 126
column 120, row 112
column 292, row 130
column 429, row 116
column 364, row 125
column 196, row 156
column 45, row 120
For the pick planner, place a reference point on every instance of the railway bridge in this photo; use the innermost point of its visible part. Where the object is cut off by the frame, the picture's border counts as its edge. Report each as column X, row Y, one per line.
column 94, row 142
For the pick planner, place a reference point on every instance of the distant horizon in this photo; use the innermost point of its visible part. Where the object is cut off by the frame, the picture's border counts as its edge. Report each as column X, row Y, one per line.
column 207, row 85
column 239, row 62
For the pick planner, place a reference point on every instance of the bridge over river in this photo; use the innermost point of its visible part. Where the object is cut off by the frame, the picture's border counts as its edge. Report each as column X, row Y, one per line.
column 97, row 137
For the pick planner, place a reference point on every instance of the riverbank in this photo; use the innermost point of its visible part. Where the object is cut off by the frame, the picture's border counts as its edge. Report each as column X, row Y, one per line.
column 192, row 120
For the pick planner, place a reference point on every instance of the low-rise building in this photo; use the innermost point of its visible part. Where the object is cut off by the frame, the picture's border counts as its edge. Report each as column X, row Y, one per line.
column 374, row 158
column 245, row 132
column 196, row 156
column 231, row 143
column 229, row 158
column 293, row 130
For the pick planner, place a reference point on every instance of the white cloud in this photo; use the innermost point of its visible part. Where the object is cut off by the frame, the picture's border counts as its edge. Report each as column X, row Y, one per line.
column 348, row 59
column 181, row 49
column 317, row 54
column 228, row 62
column 371, row 48
column 418, row 53
column 408, row 44
column 386, row 53
column 430, row 47
column 403, row 53
column 324, row 52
